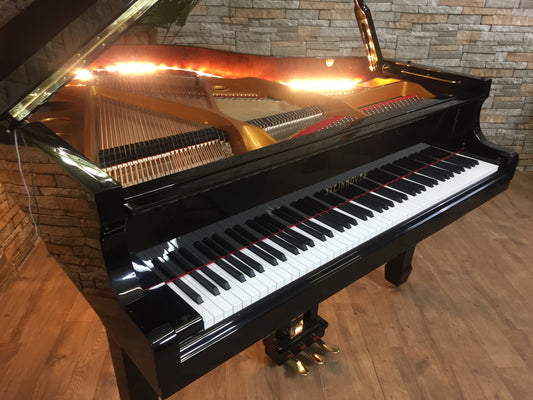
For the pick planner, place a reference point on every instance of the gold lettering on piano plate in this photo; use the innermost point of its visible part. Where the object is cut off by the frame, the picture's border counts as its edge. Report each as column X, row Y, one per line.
column 341, row 185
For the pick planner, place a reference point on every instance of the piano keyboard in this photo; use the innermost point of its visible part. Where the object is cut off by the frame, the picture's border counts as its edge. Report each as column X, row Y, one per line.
column 223, row 268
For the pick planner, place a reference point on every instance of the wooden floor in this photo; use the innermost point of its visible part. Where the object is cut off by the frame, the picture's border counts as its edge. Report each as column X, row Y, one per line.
column 460, row 328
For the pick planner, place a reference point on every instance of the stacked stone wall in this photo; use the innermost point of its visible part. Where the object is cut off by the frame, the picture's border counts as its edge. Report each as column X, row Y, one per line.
column 489, row 38
column 65, row 210
column 17, row 238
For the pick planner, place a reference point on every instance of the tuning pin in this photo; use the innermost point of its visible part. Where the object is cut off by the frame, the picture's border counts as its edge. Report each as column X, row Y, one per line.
column 315, row 357
column 300, row 367
column 329, row 347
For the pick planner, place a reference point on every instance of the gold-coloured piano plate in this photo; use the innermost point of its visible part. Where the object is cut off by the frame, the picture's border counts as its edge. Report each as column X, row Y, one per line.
column 128, row 110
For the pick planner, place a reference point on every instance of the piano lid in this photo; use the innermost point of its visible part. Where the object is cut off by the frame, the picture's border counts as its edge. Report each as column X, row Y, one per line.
column 46, row 42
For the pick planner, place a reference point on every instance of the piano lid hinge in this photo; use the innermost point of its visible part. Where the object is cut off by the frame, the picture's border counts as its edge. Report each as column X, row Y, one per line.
column 14, row 124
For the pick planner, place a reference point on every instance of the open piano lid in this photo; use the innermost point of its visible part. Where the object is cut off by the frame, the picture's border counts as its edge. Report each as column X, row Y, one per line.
column 45, row 43
column 49, row 40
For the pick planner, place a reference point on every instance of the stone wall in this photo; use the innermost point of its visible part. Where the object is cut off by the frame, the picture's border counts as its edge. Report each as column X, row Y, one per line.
column 17, row 238
column 66, row 212
column 489, row 38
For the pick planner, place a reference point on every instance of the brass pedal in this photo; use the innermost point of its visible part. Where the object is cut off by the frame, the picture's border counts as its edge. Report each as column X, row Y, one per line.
column 329, row 347
column 300, row 366
column 317, row 358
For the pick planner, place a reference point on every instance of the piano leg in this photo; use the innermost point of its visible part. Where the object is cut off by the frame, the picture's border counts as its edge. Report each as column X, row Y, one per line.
column 131, row 383
column 399, row 268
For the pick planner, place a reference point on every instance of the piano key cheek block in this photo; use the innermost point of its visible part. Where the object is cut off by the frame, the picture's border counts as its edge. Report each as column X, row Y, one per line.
column 200, row 214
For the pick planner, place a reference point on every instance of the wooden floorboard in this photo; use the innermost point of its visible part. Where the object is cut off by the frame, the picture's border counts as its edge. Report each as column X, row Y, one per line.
column 460, row 328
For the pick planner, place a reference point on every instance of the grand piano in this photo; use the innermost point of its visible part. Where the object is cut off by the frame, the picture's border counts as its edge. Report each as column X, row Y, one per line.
column 202, row 209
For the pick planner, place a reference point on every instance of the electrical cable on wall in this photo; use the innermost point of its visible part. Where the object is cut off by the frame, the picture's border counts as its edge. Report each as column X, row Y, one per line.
column 36, row 223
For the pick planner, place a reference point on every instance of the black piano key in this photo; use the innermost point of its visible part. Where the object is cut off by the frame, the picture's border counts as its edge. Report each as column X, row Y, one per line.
column 410, row 164
column 213, row 256
column 220, row 281
column 182, row 285
column 455, row 161
column 147, row 278
column 309, row 212
column 440, row 154
column 444, row 164
column 165, row 269
column 231, row 259
column 319, row 228
column 428, row 171
column 250, row 262
column 241, row 266
column 345, row 219
column 221, row 263
column 230, row 248
column 391, row 194
column 205, row 283
column 450, row 166
column 259, row 243
column 280, row 242
column 447, row 174
column 303, row 226
column 434, row 173
column 232, row 271
column 209, row 253
column 339, row 202
column 407, row 186
column 381, row 176
column 242, row 257
column 436, row 152
column 328, row 212
column 393, row 181
column 439, row 163
column 464, row 161
column 360, row 196
column 185, row 264
column 256, row 250
column 193, row 274
column 180, row 261
column 422, row 179
column 193, row 259
column 351, row 191
column 369, row 185
column 285, row 235
column 308, row 241
column 395, row 170
column 388, row 179
column 401, row 172
column 410, row 185
column 189, row 291
column 369, row 201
